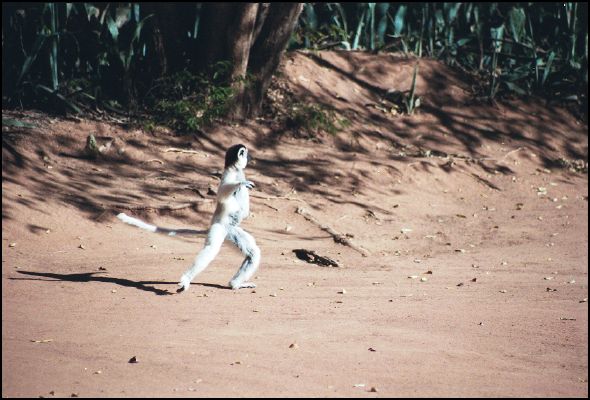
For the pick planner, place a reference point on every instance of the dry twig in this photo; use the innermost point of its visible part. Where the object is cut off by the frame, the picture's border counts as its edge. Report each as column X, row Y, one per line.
column 338, row 237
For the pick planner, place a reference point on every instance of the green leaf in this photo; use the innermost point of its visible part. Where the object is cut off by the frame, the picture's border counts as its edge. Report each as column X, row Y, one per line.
column 31, row 57
column 462, row 42
column 497, row 35
column 517, row 18
column 112, row 26
column 398, row 23
column 382, row 9
column 355, row 42
column 515, row 88
column 550, row 59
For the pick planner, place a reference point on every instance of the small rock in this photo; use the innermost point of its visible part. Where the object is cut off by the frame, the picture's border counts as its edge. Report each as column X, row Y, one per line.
column 133, row 360
column 12, row 244
column 373, row 389
column 293, row 346
column 502, row 291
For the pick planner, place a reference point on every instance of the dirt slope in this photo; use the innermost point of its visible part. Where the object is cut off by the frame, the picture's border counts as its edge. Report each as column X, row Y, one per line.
column 471, row 201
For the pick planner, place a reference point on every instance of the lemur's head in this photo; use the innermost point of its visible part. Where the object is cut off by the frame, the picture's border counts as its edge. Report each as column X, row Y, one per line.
column 237, row 156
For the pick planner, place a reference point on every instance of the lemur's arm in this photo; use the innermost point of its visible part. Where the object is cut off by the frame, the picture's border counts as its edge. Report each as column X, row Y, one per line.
column 227, row 189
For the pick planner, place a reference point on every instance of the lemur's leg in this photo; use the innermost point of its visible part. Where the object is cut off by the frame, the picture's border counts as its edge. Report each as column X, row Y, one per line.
column 215, row 239
column 247, row 245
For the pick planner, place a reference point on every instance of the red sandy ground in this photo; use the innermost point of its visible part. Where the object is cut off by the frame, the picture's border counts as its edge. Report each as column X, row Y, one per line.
column 503, row 312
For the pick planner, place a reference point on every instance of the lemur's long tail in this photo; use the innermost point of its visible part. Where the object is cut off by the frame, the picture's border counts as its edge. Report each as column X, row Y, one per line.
column 156, row 229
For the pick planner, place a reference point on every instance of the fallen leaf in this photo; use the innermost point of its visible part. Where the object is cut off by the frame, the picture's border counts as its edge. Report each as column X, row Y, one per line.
column 12, row 244
column 550, row 290
column 42, row 341
column 502, row 291
column 372, row 349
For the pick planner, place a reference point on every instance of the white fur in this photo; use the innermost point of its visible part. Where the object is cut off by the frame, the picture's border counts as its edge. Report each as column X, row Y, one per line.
column 233, row 205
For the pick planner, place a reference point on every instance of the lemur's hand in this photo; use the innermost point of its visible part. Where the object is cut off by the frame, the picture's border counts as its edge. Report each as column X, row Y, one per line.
column 249, row 184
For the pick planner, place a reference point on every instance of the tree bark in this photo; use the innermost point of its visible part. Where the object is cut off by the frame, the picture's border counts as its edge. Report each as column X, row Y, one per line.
column 252, row 37
column 265, row 56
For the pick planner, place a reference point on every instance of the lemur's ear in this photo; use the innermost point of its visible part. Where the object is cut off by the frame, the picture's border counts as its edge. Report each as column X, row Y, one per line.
column 232, row 154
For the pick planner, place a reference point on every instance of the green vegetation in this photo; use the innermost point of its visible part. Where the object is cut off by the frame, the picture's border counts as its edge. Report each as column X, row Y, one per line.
column 312, row 119
column 511, row 48
column 186, row 101
column 92, row 57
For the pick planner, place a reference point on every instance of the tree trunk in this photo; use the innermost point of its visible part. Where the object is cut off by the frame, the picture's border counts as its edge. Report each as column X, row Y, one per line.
column 251, row 36
column 265, row 56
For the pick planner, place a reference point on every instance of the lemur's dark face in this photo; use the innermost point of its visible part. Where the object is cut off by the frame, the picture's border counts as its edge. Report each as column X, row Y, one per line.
column 237, row 156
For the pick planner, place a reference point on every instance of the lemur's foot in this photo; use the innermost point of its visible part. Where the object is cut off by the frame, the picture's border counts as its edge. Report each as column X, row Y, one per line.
column 245, row 285
column 184, row 284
